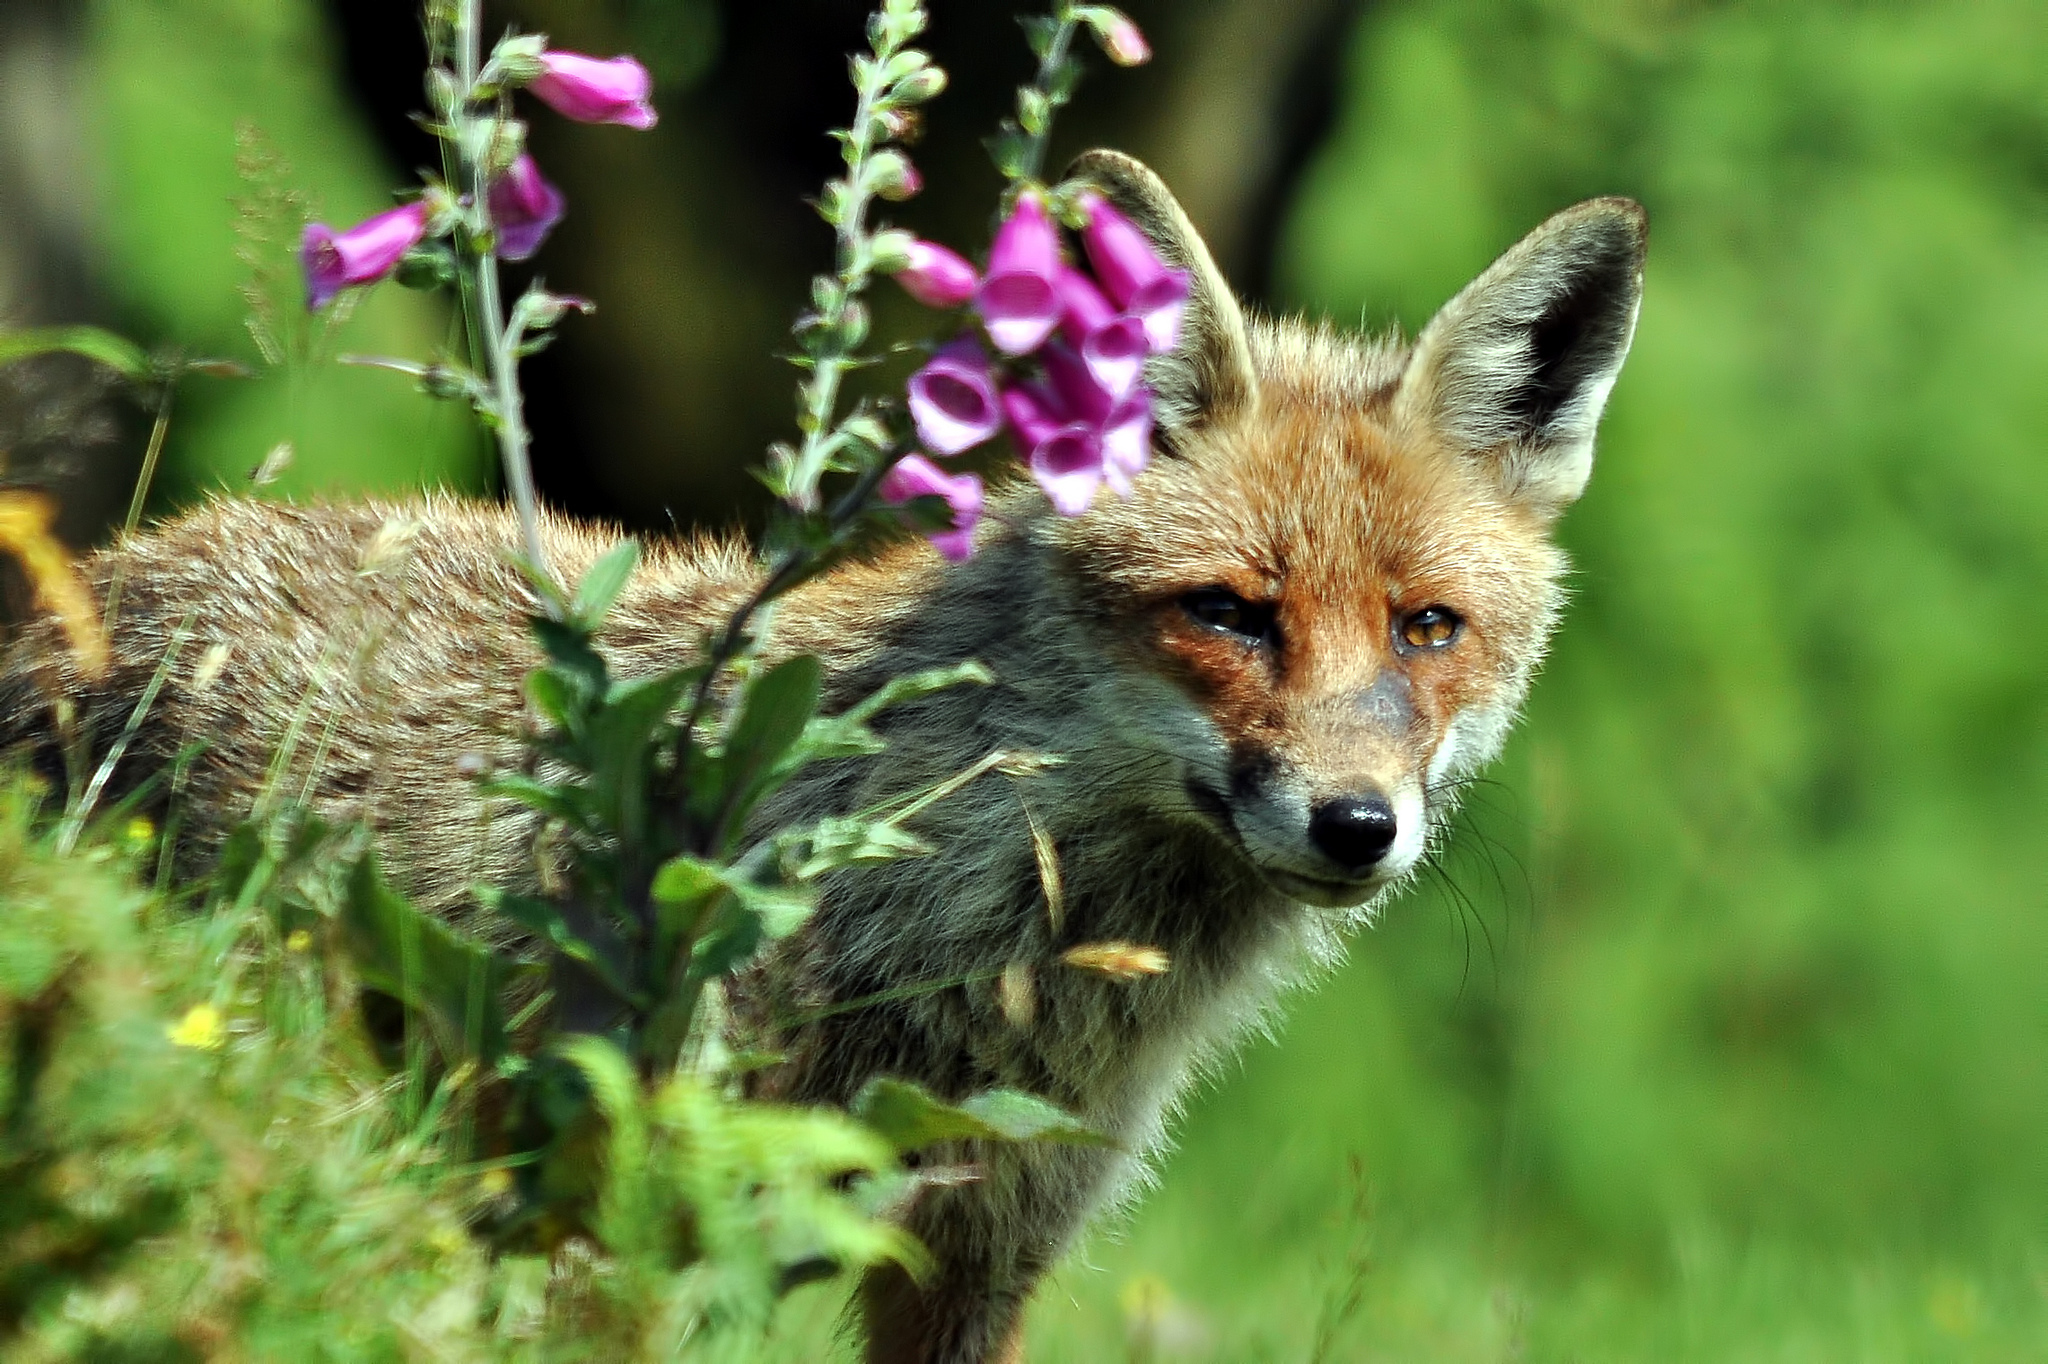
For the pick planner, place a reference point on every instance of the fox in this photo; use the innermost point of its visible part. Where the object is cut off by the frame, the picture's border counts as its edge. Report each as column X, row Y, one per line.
column 1268, row 672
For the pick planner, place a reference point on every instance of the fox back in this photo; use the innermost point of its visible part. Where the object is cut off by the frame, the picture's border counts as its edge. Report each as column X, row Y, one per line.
column 1264, row 677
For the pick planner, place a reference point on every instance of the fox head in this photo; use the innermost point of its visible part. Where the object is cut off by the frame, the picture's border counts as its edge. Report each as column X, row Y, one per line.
column 1330, row 590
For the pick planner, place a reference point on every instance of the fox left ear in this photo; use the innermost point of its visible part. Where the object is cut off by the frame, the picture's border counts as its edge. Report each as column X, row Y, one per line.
column 1518, row 366
column 1210, row 372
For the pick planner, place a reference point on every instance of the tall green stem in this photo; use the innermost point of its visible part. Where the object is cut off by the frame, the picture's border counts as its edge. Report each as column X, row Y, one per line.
column 486, row 310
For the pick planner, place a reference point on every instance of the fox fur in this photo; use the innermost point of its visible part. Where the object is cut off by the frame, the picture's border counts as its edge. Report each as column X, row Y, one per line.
column 1322, row 488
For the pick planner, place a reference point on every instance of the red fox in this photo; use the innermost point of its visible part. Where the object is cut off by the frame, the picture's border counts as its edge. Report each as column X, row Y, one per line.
column 1267, row 672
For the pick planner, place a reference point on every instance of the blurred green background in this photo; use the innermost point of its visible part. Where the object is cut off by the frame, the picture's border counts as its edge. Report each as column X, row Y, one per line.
column 1722, row 1033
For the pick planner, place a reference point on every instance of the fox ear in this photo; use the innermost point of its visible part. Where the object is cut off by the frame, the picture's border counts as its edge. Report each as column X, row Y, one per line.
column 1210, row 372
column 1518, row 366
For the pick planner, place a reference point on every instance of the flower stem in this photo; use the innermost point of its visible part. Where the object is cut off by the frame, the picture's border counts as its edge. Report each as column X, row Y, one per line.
column 1046, row 84
column 485, row 307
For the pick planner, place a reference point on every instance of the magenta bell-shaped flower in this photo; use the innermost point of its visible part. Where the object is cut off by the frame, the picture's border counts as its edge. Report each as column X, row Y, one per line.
column 916, row 476
column 1127, row 441
column 595, row 89
column 364, row 254
column 1113, row 344
column 1132, row 274
column 953, row 399
column 1019, row 300
column 937, row 277
column 1063, row 449
column 524, row 208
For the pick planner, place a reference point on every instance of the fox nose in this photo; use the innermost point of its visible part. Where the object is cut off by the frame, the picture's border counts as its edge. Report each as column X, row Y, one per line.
column 1353, row 831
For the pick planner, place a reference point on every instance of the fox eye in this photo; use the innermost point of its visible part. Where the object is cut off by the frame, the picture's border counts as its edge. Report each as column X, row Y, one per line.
column 1221, row 609
column 1430, row 628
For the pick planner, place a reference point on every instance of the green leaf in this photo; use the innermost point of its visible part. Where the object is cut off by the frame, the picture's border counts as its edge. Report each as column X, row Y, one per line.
column 681, row 880
column 553, row 694
column 775, row 711
column 1010, row 149
column 601, row 586
column 912, row 1118
column 840, row 841
column 782, row 910
column 846, row 735
column 562, row 803
column 622, row 734
column 101, row 347
column 545, row 920
column 450, row 981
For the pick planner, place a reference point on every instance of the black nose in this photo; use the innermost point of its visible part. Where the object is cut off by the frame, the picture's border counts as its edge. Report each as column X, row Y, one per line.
column 1353, row 831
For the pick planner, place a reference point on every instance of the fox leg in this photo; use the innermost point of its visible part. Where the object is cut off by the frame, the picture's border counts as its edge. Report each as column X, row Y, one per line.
column 945, row 1321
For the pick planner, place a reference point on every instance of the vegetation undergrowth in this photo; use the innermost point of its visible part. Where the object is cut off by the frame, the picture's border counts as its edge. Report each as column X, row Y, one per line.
column 271, row 1108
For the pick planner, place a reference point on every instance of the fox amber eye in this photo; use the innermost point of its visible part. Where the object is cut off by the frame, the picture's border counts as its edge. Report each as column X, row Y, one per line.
column 1430, row 628
column 1221, row 609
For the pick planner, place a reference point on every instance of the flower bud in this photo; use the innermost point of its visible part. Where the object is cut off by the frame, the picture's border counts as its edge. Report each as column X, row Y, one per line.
column 364, row 254
column 594, row 90
column 891, row 176
column 1122, row 41
column 518, row 59
column 920, row 86
column 935, row 276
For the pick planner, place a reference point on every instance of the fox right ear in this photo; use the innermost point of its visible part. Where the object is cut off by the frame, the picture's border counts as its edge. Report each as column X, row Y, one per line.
column 1518, row 366
column 1210, row 372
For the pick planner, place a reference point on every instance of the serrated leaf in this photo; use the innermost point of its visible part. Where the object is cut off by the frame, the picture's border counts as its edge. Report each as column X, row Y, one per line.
column 911, row 1118
column 602, row 584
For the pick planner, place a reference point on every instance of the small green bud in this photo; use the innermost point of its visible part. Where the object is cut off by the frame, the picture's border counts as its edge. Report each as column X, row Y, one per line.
column 1032, row 110
column 444, row 92
column 889, row 251
column 508, row 140
column 891, row 175
column 920, row 86
column 904, row 63
column 853, row 323
column 516, row 60
column 430, row 265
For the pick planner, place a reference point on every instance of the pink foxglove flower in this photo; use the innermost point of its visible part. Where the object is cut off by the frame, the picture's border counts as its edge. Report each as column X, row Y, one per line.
column 916, row 476
column 1127, row 441
column 594, row 89
column 1068, row 465
column 953, row 399
column 1113, row 344
column 1019, row 301
column 1132, row 274
column 1066, row 451
column 1034, row 413
column 364, row 254
column 937, row 277
column 524, row 208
